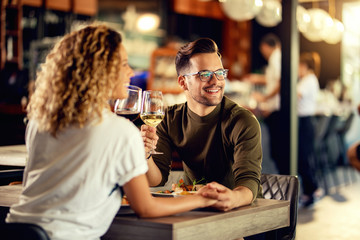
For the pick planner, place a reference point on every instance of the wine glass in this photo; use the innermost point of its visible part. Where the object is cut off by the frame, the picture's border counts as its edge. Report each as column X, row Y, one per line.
column 130, row 106
column 152, row 110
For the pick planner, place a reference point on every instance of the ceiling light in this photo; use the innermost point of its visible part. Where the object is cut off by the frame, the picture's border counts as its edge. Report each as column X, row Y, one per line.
column 148, row 22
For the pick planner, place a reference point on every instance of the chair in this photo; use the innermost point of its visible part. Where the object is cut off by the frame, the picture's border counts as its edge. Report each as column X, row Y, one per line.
column 282, row 187
column 20, row 231
column 342, row 129
column 327, row 150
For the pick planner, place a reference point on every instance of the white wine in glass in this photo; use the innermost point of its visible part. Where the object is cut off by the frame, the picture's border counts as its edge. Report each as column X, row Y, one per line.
column 152, row 119
column 130, row 106
column 152, row 110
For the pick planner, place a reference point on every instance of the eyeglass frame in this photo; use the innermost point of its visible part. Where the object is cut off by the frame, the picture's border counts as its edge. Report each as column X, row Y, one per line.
column 212, row 74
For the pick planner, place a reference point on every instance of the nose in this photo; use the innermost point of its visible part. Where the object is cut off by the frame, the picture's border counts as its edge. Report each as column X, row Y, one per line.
column 131, row 72
column 213, row 79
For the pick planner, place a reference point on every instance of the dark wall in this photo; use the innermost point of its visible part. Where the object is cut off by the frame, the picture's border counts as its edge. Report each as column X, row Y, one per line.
column 189, row 28
column 257, row 61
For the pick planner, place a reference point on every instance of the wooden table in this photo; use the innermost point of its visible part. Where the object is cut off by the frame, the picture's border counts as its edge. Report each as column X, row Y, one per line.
column 9, row 194
column 263, row 215
column 15, row 155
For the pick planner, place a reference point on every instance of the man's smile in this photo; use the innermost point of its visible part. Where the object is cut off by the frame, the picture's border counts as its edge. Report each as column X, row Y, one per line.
column 213, row 90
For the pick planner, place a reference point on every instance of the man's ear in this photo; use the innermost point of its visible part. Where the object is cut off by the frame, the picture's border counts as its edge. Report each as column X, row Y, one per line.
column 182, row 82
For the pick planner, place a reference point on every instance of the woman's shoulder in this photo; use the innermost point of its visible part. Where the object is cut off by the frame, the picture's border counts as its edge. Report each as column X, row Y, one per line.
column 114, row 125
column 309, row 80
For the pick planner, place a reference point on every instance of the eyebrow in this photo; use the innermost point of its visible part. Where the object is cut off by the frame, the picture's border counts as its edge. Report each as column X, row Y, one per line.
column 211, row 70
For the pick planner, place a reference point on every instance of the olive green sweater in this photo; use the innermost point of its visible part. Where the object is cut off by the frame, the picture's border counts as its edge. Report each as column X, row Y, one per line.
column 224, row 146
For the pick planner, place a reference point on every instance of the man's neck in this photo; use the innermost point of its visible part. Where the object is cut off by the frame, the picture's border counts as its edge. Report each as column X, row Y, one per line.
column 201, row 110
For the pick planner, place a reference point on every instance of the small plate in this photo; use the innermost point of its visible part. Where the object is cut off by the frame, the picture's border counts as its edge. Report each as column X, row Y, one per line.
column 173, row 194
column 156, row 194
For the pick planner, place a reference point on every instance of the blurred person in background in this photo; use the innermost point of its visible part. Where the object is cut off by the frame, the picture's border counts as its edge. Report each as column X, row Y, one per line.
column 307, row 90
column 269, row 101
column 79, row 151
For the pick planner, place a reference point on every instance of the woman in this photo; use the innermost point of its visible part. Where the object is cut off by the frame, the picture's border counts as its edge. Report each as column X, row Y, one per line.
column 79, row 151
column 307, row 90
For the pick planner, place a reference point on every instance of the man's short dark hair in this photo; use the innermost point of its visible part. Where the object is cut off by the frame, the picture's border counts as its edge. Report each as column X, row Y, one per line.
column 270, row 39
column 201, row 45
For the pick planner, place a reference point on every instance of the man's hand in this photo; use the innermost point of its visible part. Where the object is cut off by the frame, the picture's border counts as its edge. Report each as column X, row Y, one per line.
column 227, row 198
column 149, row 137
column 221, row 193
column 258, row 97
column 255, row 78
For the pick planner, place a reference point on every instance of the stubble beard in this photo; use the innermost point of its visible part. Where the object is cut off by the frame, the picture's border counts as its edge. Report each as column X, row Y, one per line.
column 206, row 101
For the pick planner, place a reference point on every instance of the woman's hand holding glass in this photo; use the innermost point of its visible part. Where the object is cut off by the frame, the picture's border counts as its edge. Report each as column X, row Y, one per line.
column 130, row 106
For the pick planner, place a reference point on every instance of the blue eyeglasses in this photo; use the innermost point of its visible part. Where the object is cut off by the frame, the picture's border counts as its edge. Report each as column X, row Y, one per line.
column 206, row 75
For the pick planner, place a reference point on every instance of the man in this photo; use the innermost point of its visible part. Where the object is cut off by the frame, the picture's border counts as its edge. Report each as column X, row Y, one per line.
column 271, row 51
column 269, row 101
column 216, row 139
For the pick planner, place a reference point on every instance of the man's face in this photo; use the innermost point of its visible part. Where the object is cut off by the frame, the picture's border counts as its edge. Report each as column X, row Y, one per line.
column 208, row 93
column 266, row 51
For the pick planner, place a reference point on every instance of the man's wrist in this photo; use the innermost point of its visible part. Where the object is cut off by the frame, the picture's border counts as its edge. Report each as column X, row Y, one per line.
column 148, row 156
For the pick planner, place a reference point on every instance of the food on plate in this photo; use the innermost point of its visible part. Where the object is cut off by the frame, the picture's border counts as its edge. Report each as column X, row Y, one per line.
column 124, row 200
column 165, row 191
column 181, row 188
column 185, row 193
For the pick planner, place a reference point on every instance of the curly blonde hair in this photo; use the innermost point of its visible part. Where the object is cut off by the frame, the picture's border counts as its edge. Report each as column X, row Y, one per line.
column 77, row 79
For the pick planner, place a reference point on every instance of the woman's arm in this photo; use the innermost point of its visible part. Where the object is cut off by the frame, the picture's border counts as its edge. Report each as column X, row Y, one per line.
column 146, row 206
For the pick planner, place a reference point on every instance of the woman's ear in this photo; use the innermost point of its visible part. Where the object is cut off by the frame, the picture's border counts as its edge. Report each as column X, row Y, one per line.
column 182, row 82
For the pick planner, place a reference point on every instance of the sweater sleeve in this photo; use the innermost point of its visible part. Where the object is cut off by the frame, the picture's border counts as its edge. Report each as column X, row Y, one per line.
column 246, row 139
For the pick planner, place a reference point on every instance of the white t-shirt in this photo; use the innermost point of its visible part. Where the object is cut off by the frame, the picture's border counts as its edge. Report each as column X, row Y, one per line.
column 272, row 76
column 69, row 180
column 308, row 88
